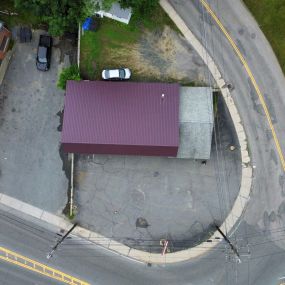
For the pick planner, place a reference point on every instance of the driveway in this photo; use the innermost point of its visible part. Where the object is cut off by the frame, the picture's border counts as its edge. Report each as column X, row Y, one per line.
column 30, row 164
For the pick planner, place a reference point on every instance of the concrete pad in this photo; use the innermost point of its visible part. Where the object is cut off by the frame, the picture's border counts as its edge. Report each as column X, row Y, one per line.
column 82, row 232
column 241, row 136
column 140, row 255
column 245, row 156
column 32, row 210
column 11, row 202
column 247, row 172
column 245, row 188
column 55, row 220
column 243, row 145
column 239, row 127
column 119, row 248
column 236, row 211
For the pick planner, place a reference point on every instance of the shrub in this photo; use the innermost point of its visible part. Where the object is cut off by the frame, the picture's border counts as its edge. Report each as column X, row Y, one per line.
column 69, row 73
column 141, row 7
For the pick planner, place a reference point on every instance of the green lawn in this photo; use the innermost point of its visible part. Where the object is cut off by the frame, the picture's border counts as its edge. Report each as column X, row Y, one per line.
column 114, row 38
column 270, row 14
column 95, row 46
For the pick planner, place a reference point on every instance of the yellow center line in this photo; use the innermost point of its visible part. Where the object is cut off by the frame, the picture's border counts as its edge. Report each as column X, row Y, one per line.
column 249, row 72
column 32, row 265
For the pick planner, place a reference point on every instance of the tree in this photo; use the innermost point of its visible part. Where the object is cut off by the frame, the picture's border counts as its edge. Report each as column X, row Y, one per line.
column 142, row 7
column 61, row 16
column 107, row 4
column 69, row 73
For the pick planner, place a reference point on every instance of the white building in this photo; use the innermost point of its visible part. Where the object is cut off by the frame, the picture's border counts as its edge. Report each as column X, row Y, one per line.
column 117, row 13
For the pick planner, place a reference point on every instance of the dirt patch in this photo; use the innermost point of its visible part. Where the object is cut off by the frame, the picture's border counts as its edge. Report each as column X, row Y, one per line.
column 68, row 46
column 160, row 55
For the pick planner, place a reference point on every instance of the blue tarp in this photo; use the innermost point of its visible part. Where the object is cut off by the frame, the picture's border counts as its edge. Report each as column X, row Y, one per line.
column 87, row 24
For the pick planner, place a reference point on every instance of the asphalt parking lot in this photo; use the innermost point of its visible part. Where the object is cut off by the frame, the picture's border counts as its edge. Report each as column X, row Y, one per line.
column 141, row 200
column 30, row 164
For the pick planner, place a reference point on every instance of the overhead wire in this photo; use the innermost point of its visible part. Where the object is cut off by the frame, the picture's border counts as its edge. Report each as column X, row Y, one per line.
column 229, row 193
column 217, row 247
column 208, row 77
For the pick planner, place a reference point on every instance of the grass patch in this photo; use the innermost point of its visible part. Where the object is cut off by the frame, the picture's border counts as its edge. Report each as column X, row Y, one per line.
column 23, row 18
column 111, row 34
column 270, row 14
column 157, row 20
column 114, row 40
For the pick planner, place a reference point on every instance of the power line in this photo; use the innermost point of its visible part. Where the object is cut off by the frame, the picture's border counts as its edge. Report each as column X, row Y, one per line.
column 50, row 254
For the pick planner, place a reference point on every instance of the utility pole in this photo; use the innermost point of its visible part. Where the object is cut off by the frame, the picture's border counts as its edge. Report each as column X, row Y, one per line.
column 50, row 254
column 229, row 242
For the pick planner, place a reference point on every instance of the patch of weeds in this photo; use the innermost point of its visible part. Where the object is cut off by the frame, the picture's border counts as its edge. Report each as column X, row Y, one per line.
column 98, row 48
column 66, row 212
column 95, row 45
column 157, row 20
column 72, row 216
column 216, row 95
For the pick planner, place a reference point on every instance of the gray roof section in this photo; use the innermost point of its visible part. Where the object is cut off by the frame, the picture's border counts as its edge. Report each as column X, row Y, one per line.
column 120, row 12
column 196, row 121
column 116, row 10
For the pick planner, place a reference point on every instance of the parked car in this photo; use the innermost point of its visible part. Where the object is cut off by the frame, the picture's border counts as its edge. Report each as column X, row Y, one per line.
column 44, row 53
column 116, row 74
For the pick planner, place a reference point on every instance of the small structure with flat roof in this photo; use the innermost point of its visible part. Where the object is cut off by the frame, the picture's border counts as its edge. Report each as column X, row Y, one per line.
column 196, row 121
column 116, row 12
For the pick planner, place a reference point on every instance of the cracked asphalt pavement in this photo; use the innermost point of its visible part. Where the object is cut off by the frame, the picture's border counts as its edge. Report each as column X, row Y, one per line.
column 30, row 164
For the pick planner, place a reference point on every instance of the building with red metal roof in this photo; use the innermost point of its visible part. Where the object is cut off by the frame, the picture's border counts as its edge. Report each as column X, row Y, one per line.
column 126, row 118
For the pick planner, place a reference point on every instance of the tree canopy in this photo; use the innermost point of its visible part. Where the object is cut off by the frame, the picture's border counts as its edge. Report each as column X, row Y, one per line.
column 64, row 15
column 142, row 7
column 61, row 16
column 69, row 73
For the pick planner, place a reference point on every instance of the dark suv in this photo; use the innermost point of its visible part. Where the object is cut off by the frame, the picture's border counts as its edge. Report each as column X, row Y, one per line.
column 44, row 53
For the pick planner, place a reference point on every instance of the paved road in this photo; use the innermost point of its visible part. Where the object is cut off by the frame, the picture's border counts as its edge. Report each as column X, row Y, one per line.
column 97, row 266
column 266, row 208
column 268, row 187
column 11, row 275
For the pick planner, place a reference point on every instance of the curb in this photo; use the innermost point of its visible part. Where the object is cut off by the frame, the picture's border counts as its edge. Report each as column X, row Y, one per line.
column 232, row 218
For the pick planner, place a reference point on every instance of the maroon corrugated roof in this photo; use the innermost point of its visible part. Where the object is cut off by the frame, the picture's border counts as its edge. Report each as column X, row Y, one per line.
column 120, row 114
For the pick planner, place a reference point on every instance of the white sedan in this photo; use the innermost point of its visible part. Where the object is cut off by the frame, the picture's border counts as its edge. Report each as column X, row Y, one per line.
column 116, row 74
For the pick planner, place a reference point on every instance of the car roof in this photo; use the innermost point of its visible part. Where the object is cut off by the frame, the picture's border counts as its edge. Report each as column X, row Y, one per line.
column 114, row 73
column 42, row 52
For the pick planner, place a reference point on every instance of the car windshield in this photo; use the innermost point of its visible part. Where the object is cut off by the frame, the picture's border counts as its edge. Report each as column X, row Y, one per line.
column 122, row 73
column 42, row 55
column 107, row 74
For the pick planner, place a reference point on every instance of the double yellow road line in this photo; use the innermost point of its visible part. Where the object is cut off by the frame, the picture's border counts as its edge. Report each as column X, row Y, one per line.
column 32, row 265
column 253, row 81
